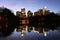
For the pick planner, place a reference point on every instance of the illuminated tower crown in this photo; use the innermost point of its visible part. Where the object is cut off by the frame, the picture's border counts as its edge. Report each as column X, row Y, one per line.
column 44, row 9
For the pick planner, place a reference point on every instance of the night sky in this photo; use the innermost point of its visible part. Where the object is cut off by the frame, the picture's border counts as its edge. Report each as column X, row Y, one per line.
column 33, row 5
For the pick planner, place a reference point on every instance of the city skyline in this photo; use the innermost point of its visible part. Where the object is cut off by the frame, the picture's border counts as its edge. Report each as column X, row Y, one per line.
column 33, row 5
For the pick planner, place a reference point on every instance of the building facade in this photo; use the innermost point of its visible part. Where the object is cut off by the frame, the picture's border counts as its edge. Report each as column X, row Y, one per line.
column 29, row 14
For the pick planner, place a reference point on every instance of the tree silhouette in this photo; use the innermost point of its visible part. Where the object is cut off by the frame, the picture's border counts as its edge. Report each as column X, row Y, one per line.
column 8, row 21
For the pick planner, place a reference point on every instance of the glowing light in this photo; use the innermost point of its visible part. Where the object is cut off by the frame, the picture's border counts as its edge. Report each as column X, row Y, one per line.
column 22, row 34
column 45, row 34
column 45, row 7
column 24, row 21
column 15, row 30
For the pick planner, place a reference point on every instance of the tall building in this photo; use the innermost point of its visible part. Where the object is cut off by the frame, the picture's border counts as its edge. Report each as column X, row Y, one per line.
column 29, row 13
column 35, row 13
column 43, row 11
column 18, row 13
column 23, row 13
column 47, row 12
column 38, row 12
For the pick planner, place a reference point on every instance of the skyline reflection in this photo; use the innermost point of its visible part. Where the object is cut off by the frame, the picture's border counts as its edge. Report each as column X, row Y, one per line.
column 25, row 32
column 24, row 29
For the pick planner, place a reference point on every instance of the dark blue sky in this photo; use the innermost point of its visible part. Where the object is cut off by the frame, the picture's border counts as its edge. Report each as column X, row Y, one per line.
column 32, row 5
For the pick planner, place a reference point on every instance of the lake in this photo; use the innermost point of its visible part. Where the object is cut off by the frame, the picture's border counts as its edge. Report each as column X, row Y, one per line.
column 33, row 33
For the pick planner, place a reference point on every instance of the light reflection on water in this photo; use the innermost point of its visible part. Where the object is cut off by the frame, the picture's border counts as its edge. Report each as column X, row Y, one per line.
column 32, row 33
column 32, row 30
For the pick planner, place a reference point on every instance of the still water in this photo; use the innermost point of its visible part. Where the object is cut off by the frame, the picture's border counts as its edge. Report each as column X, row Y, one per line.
column 33, row 33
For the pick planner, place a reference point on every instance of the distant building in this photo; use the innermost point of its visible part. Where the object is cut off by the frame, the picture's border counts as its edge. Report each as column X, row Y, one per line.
column 18, row 13
column 39, row 12
column 35, row 13
column 29, row 13
column 22, row 13
column 45, row 11
column 42, row 12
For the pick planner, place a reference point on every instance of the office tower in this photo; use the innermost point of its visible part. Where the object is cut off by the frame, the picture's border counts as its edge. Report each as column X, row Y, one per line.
column 29, row 13
column 18, row 13
column 23, row 13
column 43, row 11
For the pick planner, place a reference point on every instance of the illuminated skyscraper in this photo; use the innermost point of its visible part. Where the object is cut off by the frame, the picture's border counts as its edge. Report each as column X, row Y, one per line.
column 38, row 12
column 23, row 13
column 44, row 9
column 29, row 13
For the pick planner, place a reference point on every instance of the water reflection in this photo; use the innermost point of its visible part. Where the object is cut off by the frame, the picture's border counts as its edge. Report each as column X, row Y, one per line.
column 24, row 32
column 24, row 29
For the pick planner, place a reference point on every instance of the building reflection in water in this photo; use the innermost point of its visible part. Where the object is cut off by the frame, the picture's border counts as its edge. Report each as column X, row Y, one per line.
column 23, row 29
column 41, row 30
